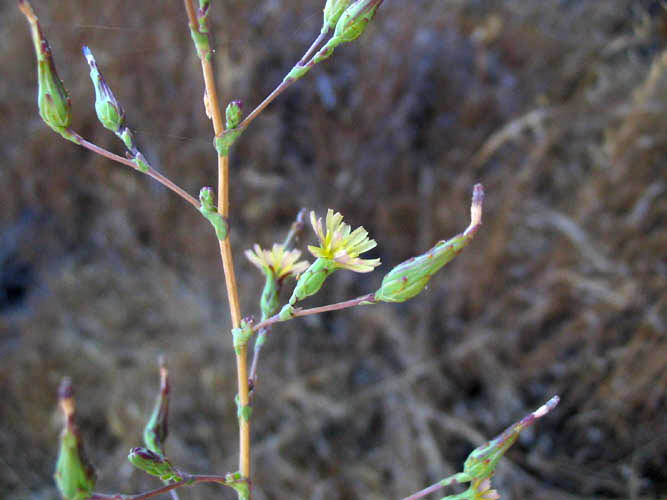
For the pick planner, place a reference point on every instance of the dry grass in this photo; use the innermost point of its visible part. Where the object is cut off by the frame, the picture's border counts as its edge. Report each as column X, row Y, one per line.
column 559, row 108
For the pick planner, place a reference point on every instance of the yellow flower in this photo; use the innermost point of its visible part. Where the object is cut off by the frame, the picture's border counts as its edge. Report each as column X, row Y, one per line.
column 482, row 490
column 342, row 245
column 282, row 262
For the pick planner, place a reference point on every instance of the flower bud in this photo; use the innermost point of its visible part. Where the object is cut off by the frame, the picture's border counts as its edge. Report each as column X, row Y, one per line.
column 332, row 12
column 52, row 97
column 74, row 476
column 312, row 279
column 209, row 211
column 353, row 21
column 482, row 461
column 233, row 114
column 156, row 430
column 153, row 464
column 110, row 114
column 409, row 278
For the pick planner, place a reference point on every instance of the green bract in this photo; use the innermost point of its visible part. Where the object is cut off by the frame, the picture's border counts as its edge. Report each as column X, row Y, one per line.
column 332, row 12
column 270, row 301
column 74, row 475
column 353, row 21
column 312, row 279
column 209, row 211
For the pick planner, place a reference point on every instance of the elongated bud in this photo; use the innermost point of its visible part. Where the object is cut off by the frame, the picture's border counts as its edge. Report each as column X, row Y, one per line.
column 353, row 21
column 312, row 279
column 52, row 97
column 411, row 277
column 481, row 463
column 153, row 464
column 74, row 476
column 209, row 211
column 332, row 12
column 109, row 112
column 233, row 114
column 156, row 430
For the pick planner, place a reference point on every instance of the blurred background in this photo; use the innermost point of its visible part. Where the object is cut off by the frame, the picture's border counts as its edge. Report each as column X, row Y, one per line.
column 558, row 107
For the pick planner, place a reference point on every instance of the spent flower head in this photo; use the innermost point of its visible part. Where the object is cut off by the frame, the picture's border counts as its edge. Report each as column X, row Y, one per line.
column 279, row 260
column 342, row 245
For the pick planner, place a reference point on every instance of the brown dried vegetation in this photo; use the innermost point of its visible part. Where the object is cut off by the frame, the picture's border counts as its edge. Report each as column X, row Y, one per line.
column 559, row 108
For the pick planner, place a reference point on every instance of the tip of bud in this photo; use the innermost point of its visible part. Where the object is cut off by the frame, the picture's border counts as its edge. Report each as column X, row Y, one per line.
column 476, row 209
column 66, row 397
column 546, row 407
column 26, row 8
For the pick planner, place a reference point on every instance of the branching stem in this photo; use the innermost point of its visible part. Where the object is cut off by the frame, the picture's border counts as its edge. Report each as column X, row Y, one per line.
column 214, row 111
column 164, row 489
column 151, row 171
column 305, row 61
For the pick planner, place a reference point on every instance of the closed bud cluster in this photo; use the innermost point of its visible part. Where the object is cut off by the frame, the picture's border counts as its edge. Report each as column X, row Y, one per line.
column 153, row 464
column 233, row 114
column 52, row 97
column 74, row 476
column 109, row 112
column 409, row 278
column 156, row 430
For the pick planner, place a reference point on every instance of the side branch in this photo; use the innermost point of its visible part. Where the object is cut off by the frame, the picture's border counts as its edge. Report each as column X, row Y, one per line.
column 151, row 171
column 363, row 300
column 164, row 489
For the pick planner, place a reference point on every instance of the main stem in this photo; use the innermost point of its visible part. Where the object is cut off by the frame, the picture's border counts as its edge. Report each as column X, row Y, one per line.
column 226, row 249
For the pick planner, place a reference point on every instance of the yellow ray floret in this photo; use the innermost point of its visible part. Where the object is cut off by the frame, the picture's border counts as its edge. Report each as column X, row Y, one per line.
column 342, row 245
column 279, row 260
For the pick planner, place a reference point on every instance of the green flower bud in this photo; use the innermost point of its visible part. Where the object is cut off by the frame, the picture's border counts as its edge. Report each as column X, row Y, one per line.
column 74, row 476
column 353, row 21
column 332, row 12
column 312, row 279
column 52, row 97
column 156, row 430
column 409, row 278
column 110, row 114
column 153, row 464
column 233, row 114
column 481, row 463
column 209, row 211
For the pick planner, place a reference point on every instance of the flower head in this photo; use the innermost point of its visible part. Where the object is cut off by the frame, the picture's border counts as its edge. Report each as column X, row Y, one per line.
column 342, row 245
column 279, row 260
column 482, row 490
